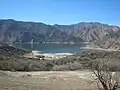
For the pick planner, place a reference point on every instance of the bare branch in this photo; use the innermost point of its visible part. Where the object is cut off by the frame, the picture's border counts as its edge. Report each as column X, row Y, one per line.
column 108, row 79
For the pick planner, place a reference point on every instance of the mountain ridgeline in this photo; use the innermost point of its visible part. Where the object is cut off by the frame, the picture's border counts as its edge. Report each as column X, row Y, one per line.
column 12, row 31
column 88, row 31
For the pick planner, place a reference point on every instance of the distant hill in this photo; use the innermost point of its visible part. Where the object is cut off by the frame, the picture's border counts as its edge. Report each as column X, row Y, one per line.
column 110, row 41
column 99, row 35
column 6, row 50
column 12, row 31
column 88, row 31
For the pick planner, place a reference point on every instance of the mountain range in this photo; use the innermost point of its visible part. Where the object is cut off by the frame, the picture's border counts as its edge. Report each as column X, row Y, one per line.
column 88, row 31
column 12, row 31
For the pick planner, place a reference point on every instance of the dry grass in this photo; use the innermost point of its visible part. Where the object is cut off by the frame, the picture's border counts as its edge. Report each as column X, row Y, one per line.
column 51, row 80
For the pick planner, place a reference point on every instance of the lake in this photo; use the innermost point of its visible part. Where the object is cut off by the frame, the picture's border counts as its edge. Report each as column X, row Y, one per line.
column 53, row 48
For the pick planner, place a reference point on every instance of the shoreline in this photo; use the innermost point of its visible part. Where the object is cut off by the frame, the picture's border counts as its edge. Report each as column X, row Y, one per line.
column 51, row 56
column 102, row 49
column 47, row 56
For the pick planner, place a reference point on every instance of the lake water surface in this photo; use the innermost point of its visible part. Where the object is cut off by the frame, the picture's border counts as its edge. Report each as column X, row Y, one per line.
column 53, row 48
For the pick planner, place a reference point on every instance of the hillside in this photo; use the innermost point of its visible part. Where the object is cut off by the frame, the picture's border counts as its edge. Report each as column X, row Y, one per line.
column 12, row 31
column 19, row 31
column 98, row 34
column 109, row 41
column 6, row 50
column 88, row 31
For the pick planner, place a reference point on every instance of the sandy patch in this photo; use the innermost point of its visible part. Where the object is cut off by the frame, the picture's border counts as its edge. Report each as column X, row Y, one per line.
column 92, row 48
column 47, row 56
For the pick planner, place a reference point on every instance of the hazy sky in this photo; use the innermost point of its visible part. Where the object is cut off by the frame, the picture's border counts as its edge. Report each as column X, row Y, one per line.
column 62, row 11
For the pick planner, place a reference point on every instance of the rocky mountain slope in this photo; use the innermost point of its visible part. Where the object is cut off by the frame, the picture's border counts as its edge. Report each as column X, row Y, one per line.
column 12, row 31
column 110, row 41
column 100, row 35
column 88, row 31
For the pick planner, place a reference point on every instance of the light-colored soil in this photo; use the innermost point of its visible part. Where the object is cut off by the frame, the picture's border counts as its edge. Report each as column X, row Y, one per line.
column 50, row 80
column 94, row 48
column 48, row 56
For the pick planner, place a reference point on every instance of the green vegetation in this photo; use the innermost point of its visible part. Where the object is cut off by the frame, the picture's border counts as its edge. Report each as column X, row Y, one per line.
column 73, row 62
column 12, row 59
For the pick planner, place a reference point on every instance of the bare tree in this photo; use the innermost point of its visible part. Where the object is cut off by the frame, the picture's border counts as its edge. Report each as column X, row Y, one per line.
column 106, row 79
